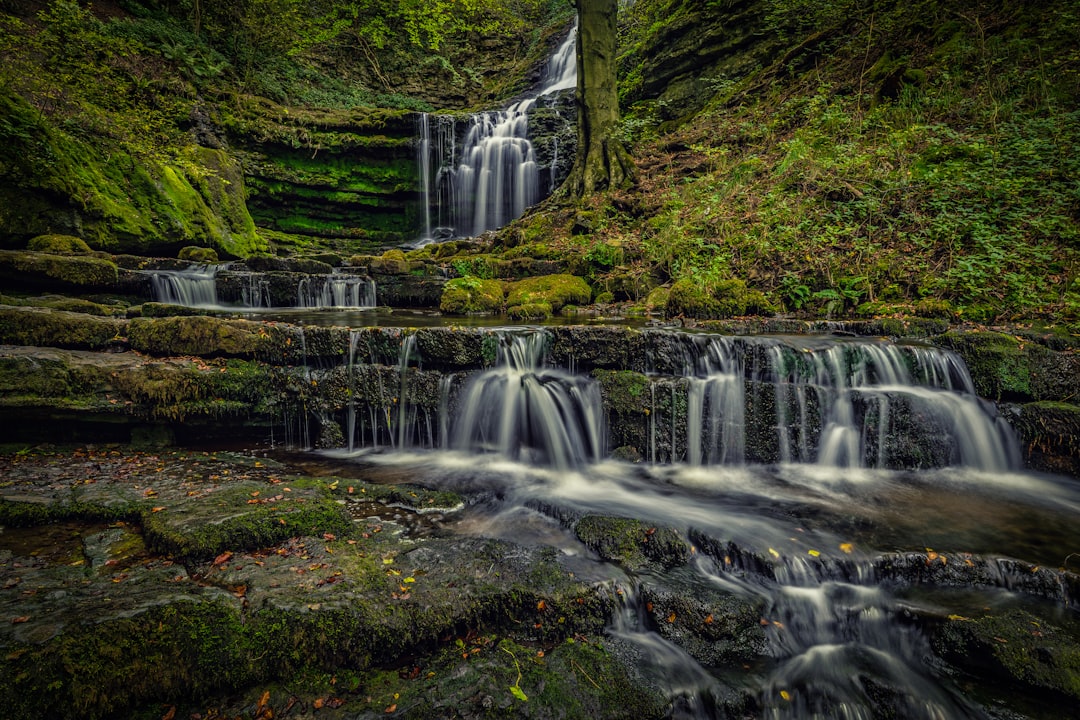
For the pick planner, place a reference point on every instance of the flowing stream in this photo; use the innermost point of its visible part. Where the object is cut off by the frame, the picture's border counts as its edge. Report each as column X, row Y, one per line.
column 829, row 539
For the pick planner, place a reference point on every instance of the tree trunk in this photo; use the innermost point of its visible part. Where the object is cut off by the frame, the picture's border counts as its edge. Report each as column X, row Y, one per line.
column 602, row 162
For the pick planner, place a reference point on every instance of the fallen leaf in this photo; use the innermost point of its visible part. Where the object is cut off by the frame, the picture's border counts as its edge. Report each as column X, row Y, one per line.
column 785, row 694
column 814, row 553
column 20, row 619
column 170, row 714
column 223, row 557
column 390, row 709
column 774, row 553
column 847, row 548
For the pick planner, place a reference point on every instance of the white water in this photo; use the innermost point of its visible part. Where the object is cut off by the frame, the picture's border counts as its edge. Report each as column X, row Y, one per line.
column 194, row 287
column 522, row 409
column 493, row 178
column 802, row 537
column 336, row 291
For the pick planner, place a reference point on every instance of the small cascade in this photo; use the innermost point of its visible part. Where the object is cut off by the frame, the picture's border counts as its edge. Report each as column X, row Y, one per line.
column 494, row 176
column 193, row 287
column 841, row 404
column 335, row 291
column 716, row 407
column 256, row 292
column 522, row 408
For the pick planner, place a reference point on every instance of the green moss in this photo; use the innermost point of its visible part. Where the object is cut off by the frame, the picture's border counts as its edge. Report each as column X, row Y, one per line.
column 101, row 670
column 530, row 311
column 195, row 335
column 198, row 254
column 623, row 390
column 632, row 543
column 55, row 328
column 1017, row 647
column 689, row 299
column 58, row 244
column 999, row 364
column 555, row 290
column 230, row 522
column 657, row 299
column 469, row 295
column 63, row 271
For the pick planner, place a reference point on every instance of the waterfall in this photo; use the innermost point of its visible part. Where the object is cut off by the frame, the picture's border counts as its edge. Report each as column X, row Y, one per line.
column 494, row 177
column 836, row 405
column 336, row 291
column 520, row 407
column 193, row 287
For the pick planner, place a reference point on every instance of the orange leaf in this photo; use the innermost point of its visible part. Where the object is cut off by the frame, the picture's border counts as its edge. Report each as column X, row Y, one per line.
column 391, row 709
column 708, row 619
column 223, row 557
column 541, row 605
column 157, row 509
column 20, row 619
column 170, row 714
column 671, row 618
column 319, row 702
column 263, row 700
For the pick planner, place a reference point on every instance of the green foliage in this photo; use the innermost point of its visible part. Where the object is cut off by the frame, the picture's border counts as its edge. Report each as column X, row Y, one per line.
column 937, row 170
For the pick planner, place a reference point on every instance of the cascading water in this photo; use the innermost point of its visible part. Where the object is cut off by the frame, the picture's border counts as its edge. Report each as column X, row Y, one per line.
column 835, row 404
column 803, row 546
column 494, row 176
column 521, row 409
column 194, row 287
column 336, row 291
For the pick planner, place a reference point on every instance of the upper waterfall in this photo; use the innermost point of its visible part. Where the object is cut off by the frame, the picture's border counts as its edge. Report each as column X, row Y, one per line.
column 493, row 175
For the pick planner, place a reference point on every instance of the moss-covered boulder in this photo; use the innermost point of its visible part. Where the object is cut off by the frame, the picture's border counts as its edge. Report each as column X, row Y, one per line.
column 555, row 291
column 724, row 299
column 461, row 296
column 196, row 254
column 58, row 244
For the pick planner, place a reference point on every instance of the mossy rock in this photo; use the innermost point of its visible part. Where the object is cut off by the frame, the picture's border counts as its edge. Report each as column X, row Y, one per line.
column 450, row 347
column 623, row 390
column 1015, row 647
column 1000, row 365
column 689, row 299
column 58, row 245
column 657, row 299
column 555, row 290
column 633, row 543
column 196, row 254
column 530, row 311
column 1050, row 436
column 67, row 304
column 195, row 335
column 31, row 269
column 461, row 296
column 57, row 328
column 726, row 299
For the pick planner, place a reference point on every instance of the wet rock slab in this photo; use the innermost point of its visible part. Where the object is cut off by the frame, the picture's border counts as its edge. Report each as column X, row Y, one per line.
column 132, row 579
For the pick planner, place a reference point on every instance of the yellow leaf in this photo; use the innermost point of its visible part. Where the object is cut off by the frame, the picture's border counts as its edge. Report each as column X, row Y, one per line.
column 814, row 553
column 409, row 580
column 957, row 617
column 786, row 695
column 774, row 553
column 847, row 548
